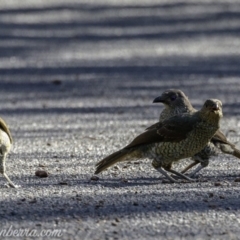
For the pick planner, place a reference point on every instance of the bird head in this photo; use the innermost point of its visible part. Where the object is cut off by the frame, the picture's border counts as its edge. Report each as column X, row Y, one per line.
column 173, row 98
column 212, row 108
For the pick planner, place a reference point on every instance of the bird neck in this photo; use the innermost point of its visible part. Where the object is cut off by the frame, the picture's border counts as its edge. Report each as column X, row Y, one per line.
column 178, row 108
column 171, row 111
column 211, row 118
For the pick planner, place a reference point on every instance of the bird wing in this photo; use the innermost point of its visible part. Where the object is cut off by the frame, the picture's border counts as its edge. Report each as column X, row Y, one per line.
column 173, row 129
column 5, row 128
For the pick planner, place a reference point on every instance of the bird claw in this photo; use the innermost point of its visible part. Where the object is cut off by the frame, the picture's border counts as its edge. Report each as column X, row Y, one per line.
column 15, row 186
column 11, row 185
column 191, row 179
column 187, row 179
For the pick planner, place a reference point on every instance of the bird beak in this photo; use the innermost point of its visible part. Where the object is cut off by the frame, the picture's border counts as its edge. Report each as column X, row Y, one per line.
column 159, row 99
column 216, row 107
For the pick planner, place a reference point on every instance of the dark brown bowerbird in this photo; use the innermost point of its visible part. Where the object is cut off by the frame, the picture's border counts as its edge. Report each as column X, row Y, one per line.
column 5, row 146
column 166, row 142
column 176, row 102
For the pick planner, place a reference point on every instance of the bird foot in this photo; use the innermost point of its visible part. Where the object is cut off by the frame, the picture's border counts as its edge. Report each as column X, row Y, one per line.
column 170, row 182
column 188, row 178
column 11, row 185
column 177, row 181
column 175, row 177
column 172, row 179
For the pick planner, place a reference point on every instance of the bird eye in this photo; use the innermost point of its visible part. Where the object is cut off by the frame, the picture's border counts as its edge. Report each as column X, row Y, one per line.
column 173, row 97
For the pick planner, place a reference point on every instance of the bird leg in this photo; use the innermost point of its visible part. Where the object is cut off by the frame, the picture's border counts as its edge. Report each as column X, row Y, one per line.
column 11, row 184
column 159, row 169
column 3, row 170
column 189, row 166
column 200, row 167
column 164, row 171
column 180, row 175
column 157, row 165
column 203, row 161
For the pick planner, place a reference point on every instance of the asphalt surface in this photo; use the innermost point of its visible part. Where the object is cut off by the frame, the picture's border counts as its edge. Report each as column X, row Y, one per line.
column 77, row 81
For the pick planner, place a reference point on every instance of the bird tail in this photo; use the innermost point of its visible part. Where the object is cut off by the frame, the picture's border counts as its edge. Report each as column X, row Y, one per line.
column 230, row 149
column 236, row 152
column 112, row 159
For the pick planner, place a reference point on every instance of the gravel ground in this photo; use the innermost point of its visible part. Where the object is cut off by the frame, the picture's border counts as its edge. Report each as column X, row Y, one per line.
column 77, row 81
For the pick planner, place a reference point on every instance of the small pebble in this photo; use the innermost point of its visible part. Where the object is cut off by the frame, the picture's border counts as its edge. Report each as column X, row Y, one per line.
column 210, row 195
column 63, row 183
column 124, row 180
column 33, row 201
column 94, row 178
column 41, row 173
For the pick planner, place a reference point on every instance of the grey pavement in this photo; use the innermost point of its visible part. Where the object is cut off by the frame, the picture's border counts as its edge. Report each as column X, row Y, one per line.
column 77, row 80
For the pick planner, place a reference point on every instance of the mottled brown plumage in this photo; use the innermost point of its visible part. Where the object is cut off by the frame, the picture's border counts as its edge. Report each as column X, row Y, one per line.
column 176, row 102
column 5, row 146
column 168, row 141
